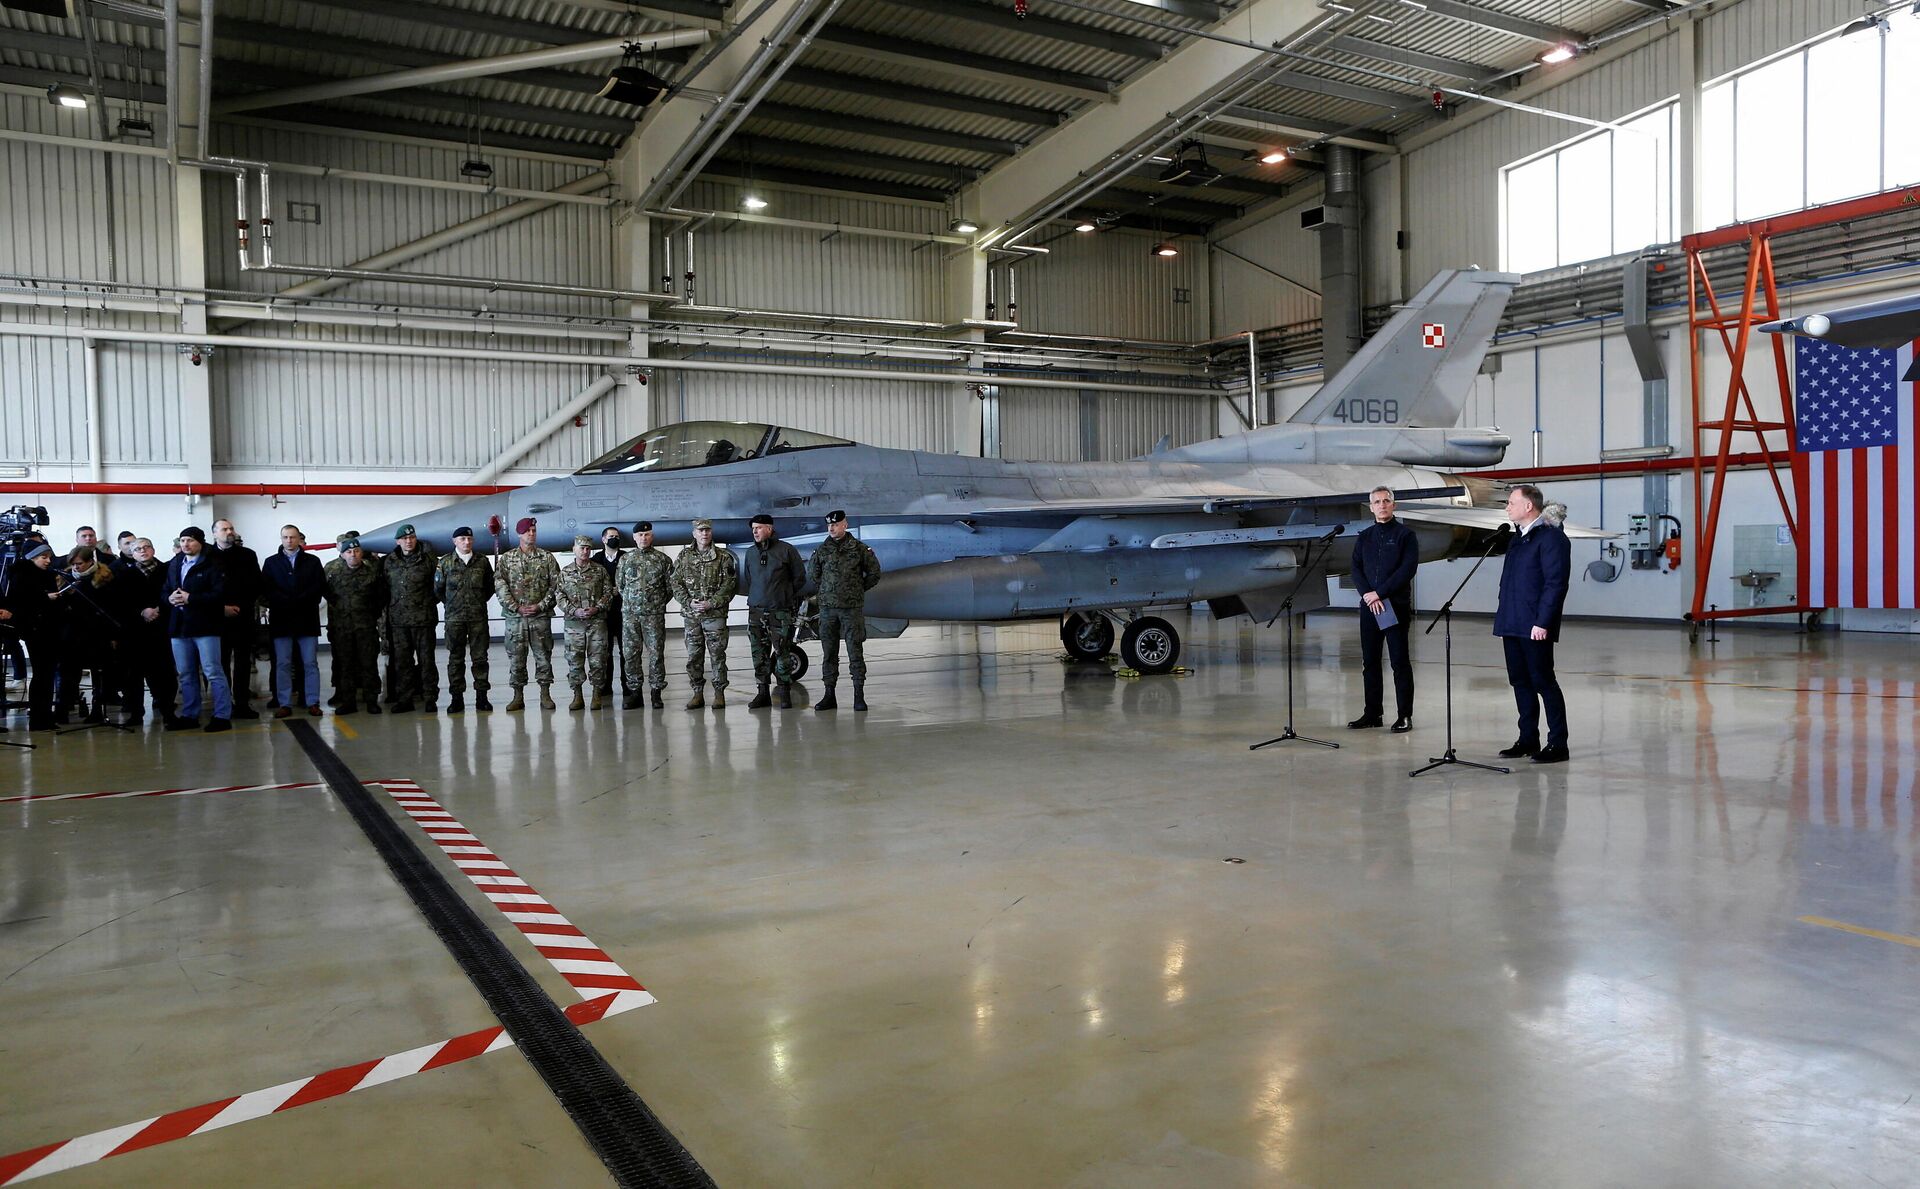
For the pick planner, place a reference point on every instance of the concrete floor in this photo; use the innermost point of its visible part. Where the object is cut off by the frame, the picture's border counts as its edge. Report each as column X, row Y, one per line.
column 1029, row 924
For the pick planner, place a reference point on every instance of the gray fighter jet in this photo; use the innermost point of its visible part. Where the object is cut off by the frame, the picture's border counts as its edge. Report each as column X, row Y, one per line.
column 1228, row 522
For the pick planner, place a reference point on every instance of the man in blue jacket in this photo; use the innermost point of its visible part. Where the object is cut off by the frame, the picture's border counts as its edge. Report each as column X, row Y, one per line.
column 1384, row 557
column 1533, row 590
column 195, row 592
column 293, row 583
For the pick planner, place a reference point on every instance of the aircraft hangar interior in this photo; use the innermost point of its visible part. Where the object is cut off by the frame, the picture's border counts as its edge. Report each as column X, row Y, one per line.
column 804, row 592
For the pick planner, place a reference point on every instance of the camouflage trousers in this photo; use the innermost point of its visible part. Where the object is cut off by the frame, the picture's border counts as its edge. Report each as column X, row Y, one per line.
column 529, row 636
column 466, row 637
column 641, row 629
column 706, row 637
column 586, row 651
column 837, row 624
column 412, row 665
column 770, row 636
column 356, row 660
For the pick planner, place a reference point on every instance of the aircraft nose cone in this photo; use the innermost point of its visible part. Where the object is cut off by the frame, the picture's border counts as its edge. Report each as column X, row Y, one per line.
column 436, row 527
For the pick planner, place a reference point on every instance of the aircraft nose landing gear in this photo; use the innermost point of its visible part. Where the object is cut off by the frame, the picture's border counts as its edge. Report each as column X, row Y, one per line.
column 1150, row 645
column 1088, row 635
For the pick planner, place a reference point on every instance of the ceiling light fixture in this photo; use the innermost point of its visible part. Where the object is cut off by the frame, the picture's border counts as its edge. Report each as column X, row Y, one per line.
column 479, row 171
column 133, row 129
column 631, row 83
column 1558, row 54
column 753, row 202
column 1273, row 156
column 66, row 95
column 1165, row 248
column 963, row 227
column 1190, row 166
column 1085, row 225
column 59, row 10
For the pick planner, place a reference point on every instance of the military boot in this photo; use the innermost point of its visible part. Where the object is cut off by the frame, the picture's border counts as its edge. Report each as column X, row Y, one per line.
column 546, row 696
column 457, row 705
column 859, row 695
column 656, row 702
column 480, row 701
column 599, row 699
column 719, row 698
column 630, row 702
column 519, row 701
column 699, row 698
column 761, row 700
column 579, row 703
column 403, row 707
column 827, row 700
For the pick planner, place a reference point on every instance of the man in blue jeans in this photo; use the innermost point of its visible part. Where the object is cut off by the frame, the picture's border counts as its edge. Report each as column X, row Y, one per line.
column 195, row 594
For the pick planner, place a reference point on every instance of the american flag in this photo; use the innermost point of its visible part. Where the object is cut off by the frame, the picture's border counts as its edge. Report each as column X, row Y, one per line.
column 1855, row 470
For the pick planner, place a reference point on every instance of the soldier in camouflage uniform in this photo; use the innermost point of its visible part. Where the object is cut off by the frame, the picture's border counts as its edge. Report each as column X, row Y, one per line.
column 526, row 580
column 705, row 580
column 644, row 584
column 411, row 616
column 464, row 582
column 583, row 595
column 772, row 577
column 356, row 594
column 842, row 570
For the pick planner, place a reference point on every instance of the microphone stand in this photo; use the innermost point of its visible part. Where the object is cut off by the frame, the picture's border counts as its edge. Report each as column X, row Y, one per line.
column 74, row 587
column 1445, row 613
column 1286, row 608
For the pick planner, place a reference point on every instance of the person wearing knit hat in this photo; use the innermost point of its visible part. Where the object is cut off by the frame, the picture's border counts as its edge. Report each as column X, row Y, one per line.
column 195, row 595
column 29, row 582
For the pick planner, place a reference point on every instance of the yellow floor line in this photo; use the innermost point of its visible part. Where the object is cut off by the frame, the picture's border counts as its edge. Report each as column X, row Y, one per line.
column 1862, row 930
column 344, row 729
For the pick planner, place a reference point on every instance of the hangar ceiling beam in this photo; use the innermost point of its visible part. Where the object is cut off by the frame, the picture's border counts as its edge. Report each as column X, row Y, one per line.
column 1501, row 22
column 1002, row 18
column 1158, row 106
column 759, row 148
column 334, row 117
column 887, row 129
column 377, row 51
column 1199, row 10
column 441, row 17
column 873, row 88
column 1288, row 124
column 1333, row 88
column 1380, row 51
column 463, row 106
column 921, row 55
column 586, row 51
column 731, row 167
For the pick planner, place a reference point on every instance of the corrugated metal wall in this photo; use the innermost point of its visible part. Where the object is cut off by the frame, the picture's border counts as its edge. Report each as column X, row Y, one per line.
column 903, row 416
column 54, row 209
column 1246, row 296
column 1454, row 183
column 1744, row 33
column 790, row 268
column 1112, row 284
column 1056, row 425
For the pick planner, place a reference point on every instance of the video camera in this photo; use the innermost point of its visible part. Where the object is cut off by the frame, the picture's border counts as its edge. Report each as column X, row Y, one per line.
column 21, row 519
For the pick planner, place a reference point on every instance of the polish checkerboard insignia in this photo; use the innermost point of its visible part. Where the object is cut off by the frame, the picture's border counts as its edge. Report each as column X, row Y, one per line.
column 1433, row 334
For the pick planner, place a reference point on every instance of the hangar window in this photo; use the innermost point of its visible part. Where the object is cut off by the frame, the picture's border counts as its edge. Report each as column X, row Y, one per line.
column 1833, row 119
column 1600, row 194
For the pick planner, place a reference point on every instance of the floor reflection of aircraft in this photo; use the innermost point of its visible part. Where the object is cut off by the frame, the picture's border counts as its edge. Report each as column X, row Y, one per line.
column 1226, row 521
column 1894, row 322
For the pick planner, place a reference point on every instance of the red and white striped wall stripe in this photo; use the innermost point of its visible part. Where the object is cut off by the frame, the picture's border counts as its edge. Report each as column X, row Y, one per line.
column 588, row 969
column 211, row 1116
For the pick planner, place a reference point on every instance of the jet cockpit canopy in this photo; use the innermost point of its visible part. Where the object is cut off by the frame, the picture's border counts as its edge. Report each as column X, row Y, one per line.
column 689, row 444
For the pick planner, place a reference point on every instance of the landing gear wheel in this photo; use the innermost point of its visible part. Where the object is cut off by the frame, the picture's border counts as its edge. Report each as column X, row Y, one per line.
column 1088, row 635
column 797, row 663
column 1150, row 645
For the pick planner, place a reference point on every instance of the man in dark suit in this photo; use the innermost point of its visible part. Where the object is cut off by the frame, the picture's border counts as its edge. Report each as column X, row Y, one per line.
column 292, row 584
column 607, row 557
column 195, row 593
column 1533, row 590
column 240, row 617
column 1385, row 555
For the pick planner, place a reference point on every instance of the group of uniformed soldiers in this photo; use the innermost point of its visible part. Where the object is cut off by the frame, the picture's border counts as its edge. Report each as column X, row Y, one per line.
column 601, row 586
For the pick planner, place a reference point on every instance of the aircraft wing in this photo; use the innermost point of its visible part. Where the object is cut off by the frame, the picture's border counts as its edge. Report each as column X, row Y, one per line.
column 1161, row 505
column 1488, row 519
column 1891, row 323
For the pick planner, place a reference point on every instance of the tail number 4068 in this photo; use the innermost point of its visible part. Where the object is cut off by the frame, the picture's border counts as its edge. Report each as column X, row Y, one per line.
column 1369, row 410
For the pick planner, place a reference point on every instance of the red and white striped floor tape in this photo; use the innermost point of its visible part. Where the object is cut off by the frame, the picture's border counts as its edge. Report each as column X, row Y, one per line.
column 219, row 788
column 605, row 987
column 588, row 969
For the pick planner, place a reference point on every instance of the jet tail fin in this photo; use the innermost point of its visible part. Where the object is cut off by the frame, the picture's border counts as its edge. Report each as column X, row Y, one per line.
column 1419, row 369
